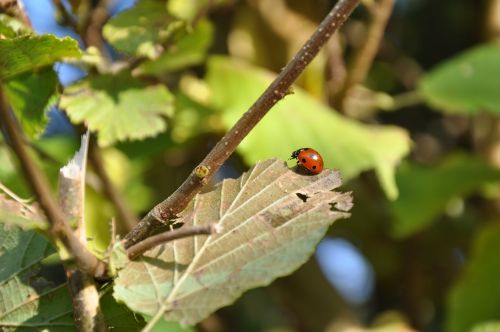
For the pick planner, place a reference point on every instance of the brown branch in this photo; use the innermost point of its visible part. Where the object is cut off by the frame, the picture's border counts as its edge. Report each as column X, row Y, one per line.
column 123, row 211
column 91, row 30
column 358, row 70
column 59, row 228
column 63, row 16
column 138, row 249
column 279, row 88
column 87, row 312
column 336, row 69
column 14, row 8
column 90, row 23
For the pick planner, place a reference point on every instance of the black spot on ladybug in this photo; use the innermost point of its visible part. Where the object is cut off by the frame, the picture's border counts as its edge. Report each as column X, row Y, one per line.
column 314, row 167
column 303, row 160
column 303, row 197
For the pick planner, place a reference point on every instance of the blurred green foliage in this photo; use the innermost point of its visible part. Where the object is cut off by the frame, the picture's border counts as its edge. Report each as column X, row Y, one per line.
column 141, row 30
column 476, row 297
column 467, row 83
column 425, row 192
column 425, row 174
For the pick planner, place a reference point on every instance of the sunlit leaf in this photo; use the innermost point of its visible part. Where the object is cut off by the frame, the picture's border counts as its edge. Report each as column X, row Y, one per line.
column 118, row 107
column 272, row 219
column 476, row 297
column 21, row 214
column 142, row 29
column 29, row 300
column 188, row 50
column 466, row 83
column 491, row 326
column 30, row 95
column 425, row 191
column 189, row 10
column 301, row 121
column 31, row 52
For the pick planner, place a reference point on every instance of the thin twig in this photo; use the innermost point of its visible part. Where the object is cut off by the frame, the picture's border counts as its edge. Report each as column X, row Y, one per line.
column 155, row 240
column 59, row 228
column 402, row 100
column 279, row 88
column 359, row 68
column 65, row 15
column 92, row 29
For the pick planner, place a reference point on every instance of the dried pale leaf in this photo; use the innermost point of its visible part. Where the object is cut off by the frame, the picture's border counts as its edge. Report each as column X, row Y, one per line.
column 272, row 219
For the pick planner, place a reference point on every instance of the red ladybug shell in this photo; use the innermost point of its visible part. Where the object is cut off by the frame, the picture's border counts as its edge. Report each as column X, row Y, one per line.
column 309, row 159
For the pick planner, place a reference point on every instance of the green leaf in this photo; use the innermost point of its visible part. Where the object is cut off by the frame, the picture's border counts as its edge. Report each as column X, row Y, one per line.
column 466, row 83
column 188, row 50
column 141, row 30
column 261, row 214
column 32, row 52
column 9, row 172
column 163, row 325
column 189, row 10
column 476, row 297
column 30, row 96
column 300, row 121
column 24, row 215
column 426, row 191
column 29, row 300
column 118, row 107
column 118, row 317
column 492, row 326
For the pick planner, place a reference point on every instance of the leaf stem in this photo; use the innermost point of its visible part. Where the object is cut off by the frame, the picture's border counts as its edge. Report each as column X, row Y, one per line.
column 155, row 240
column 59, row 228
column 279, row 88
column 406, row 99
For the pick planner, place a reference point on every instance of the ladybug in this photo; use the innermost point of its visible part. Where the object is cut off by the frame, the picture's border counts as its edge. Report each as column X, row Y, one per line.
column 310, row 159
